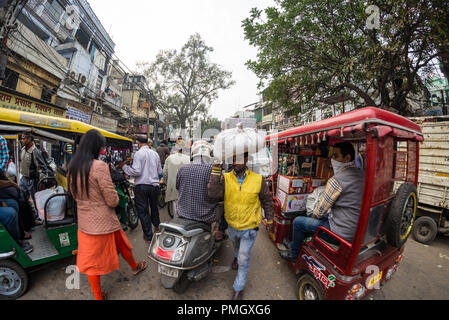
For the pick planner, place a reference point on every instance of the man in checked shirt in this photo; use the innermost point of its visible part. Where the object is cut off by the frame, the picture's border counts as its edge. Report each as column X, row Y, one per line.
column 342, row 197
column 191, row 182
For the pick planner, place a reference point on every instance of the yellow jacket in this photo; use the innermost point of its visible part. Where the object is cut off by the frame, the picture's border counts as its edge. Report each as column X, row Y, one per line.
column 242, row 205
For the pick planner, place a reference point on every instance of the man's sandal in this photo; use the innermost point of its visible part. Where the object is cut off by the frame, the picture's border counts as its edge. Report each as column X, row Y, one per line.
column 140, row 267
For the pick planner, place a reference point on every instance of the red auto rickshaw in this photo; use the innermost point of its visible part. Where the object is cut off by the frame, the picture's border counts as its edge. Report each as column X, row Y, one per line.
column 337, row 269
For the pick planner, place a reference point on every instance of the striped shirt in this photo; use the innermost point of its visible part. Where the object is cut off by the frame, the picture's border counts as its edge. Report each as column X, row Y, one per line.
column 329, row 197
column 4, row 154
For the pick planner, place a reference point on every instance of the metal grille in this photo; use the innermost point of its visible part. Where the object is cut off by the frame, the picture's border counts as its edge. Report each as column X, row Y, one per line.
column 43, row 247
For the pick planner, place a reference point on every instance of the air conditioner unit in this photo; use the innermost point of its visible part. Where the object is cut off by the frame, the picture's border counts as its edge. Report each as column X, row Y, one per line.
column 72, row 75
column 99, row 110
column 82, row 78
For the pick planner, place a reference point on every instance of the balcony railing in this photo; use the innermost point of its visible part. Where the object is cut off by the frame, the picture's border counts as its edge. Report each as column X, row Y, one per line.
column 115, row 102
column 32, row 8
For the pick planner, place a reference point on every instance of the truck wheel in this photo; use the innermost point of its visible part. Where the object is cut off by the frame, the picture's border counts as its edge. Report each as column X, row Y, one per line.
column 307, row 288
column 425, row 230
column 402, row 214
column 13, row 280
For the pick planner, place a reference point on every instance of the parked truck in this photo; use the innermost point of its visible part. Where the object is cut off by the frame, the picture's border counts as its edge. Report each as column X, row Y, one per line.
column 433, row 186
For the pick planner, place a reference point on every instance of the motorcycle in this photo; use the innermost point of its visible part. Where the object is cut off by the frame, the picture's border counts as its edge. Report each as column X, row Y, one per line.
column 183, row 250
column 126, row 209
column 161, row 200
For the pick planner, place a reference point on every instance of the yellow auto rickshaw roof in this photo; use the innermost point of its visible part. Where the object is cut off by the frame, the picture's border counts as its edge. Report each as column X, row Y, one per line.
column 47, row 122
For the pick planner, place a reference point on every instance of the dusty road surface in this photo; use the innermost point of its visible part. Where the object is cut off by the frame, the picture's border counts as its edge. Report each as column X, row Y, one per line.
column 422, row 275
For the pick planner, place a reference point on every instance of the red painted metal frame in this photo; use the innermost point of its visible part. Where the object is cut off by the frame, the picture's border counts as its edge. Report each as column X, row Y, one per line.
column 353, row 118
column 349, row 125
column 370, row 171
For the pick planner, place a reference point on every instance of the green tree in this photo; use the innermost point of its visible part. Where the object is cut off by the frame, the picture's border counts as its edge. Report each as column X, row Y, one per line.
column 210, row 123
column 185, row 83
column 312, row 49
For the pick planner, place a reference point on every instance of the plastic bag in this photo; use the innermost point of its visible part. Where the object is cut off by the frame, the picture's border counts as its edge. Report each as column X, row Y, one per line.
column 313, row 200
column 55, row 207
column 237, row 141
column 11, row 171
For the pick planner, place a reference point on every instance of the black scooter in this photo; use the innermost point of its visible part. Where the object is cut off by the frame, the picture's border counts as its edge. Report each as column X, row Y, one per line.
column 183, row 250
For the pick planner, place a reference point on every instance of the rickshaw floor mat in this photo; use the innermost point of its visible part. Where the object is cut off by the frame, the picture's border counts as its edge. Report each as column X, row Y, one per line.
column 43, row 247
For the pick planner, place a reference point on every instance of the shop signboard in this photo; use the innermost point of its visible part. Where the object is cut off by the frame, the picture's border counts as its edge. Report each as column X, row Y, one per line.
column 17, row 103
column 104, row 123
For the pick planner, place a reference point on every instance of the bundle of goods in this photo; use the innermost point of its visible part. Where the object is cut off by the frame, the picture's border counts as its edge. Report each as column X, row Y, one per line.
column 261, row 163
column 237, row 141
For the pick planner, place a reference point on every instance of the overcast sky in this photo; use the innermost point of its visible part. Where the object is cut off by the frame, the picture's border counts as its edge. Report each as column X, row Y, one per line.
column 140, row 29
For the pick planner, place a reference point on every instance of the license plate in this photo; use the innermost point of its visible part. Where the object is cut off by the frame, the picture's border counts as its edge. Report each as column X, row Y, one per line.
column 169, row 272
column 375, row 280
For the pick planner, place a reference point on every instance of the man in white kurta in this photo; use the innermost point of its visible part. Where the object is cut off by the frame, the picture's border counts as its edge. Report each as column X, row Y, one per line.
column 171, row 168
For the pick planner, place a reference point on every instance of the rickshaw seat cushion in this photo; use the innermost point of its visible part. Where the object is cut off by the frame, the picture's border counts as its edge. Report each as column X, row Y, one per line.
column 65, row 222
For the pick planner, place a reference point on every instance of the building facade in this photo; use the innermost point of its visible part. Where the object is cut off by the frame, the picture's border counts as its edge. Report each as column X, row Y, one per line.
column 61, row 61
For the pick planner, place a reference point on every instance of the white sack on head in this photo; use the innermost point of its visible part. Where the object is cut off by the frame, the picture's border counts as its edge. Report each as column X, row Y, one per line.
column 261, row 163
column 237, row 141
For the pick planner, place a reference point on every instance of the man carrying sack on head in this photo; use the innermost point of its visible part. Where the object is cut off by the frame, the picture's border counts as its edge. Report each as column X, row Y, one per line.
column 245, row 193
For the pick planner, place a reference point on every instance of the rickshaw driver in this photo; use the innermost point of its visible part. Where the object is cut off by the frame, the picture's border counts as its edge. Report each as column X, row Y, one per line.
column 343, row 197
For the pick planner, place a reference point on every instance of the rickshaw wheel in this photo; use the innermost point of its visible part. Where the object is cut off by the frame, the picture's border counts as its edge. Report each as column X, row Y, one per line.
column 307, row 288
column 402, row 215
column 13, row 280
column 425, row 230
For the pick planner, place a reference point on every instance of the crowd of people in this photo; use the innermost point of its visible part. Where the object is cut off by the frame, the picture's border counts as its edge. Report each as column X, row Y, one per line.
column 198, row 188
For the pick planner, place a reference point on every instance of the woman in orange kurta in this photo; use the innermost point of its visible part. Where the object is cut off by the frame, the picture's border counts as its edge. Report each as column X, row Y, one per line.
column 100, row 235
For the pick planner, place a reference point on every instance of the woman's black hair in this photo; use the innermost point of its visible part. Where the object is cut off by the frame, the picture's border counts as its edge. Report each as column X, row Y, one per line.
column 89, row 149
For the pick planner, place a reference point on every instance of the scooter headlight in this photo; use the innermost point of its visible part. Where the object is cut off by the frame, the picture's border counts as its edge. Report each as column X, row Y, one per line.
column 179, row 253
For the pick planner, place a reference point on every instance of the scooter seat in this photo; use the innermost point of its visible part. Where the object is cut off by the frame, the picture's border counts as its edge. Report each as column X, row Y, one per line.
column 189, row 225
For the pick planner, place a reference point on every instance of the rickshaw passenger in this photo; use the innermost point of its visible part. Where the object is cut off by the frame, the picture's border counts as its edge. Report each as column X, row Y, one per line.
column 343, row 197
column 9, row 214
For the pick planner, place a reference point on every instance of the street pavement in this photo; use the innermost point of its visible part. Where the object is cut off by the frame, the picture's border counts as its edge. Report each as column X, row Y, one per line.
column 422, row 275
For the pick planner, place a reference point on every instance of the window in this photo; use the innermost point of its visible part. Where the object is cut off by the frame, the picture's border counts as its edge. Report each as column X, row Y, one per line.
column 47, row 94
column 54, row 9
column 11, row 79
column 99, row 82
column 82, row 37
